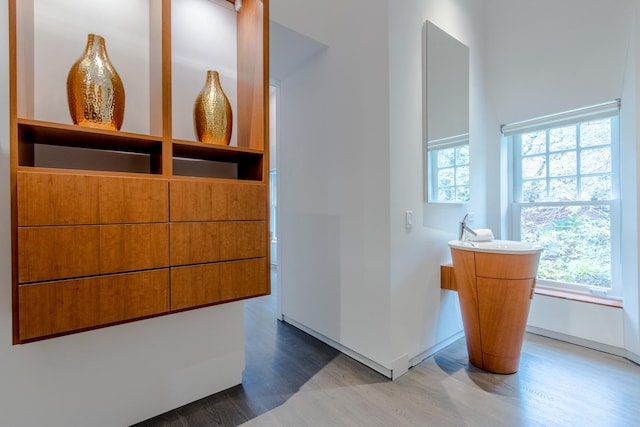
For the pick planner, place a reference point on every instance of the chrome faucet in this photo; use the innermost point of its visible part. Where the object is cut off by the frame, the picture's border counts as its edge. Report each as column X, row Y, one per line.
column 465, row 229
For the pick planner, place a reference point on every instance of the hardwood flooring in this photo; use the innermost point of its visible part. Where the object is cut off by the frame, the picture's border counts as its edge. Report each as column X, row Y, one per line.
column 292, row 379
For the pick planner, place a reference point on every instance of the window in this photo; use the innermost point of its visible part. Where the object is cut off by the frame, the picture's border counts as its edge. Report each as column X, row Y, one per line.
column 448, row 167
column 565, row 196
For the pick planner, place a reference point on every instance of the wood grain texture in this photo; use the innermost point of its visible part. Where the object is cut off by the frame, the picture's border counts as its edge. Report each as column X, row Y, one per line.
column 133, row 247
column 58, row 307
column 132, row 200
column 167, row 101
column 507, row 266
column 50, row 253
column 14, row 154
column 243, row 279
column 205, row 284
column 494, row 309
column 57, row 199
column 193, row 200
column 252, row 76
column 448, row 278
column 202, row 242
column 464, row 264
column 503, row 307
column 46, row 198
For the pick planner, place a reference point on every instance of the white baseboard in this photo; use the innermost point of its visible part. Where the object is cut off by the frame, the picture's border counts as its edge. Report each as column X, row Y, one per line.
column 635, row 358
column 341, row 348
column 580, row 341
column 417, row 359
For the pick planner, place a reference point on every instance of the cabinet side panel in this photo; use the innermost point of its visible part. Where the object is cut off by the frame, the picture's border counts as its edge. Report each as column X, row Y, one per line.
column 252, row 80
column 58, row 307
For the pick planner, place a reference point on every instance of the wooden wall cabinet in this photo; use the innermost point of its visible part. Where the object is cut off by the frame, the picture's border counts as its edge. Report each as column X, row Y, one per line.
column 95, row 246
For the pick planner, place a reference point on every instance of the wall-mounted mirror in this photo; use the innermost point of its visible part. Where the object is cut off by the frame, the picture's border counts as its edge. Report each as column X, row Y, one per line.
column 446, row 82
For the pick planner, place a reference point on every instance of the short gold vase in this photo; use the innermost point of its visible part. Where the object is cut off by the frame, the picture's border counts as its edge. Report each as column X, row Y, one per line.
column 212, row 112
column 94, row 89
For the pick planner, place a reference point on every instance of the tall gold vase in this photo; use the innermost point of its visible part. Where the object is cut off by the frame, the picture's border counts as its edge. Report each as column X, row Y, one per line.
column 212, row 112
column 94, row 89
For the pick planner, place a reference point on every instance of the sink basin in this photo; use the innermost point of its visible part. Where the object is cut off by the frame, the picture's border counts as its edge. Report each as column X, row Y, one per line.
column 497, row 246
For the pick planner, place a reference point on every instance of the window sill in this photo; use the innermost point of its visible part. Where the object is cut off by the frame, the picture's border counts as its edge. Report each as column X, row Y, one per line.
column 590, row 299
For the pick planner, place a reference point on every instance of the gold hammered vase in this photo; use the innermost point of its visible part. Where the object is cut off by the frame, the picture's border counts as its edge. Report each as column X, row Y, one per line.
column 212, row 112
column 94, row 89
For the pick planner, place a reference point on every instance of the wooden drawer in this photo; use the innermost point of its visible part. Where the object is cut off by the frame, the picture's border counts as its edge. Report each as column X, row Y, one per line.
column 506, row 266
column 49, row 253
column 216, row 201
column 202, row 242
column 205, row 284
column 64, row 199
column 57, row 307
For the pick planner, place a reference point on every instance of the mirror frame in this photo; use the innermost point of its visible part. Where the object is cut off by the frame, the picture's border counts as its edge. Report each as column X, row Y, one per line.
column 446, row 109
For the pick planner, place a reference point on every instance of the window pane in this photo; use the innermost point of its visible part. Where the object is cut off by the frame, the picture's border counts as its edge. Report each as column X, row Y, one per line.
column 446, row 194
column 563, row 189
column 563, row 164
column 445, row 177
column 595, row 160
column 462, row 155
column 462, row 175
column 533, row 191
column 595, row 133
column 576, row 241
column 446, row 157
column 533, row 143
column 596, row 188
column 463, row 193
column 534, row 167
column 563, row 138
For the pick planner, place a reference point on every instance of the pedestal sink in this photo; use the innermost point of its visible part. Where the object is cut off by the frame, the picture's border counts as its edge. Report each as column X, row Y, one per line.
column 495, row 282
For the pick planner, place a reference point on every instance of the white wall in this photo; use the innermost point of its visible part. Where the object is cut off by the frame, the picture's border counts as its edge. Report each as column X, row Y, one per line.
column 113, row 376
column 423, row 315
column 631, row 165
column 545, row 57
column 350, row 165
column 334, row 175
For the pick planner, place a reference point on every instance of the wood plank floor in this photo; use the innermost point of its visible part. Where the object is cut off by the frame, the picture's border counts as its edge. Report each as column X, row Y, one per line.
column 292, row 379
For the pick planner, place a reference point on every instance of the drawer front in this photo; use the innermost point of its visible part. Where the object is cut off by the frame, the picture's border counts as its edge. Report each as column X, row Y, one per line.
column 202, row 242
column 506, row 266
column 215, row 201
column 50, row 253
column 205, row 284
column 65, row 199
column 58, row 307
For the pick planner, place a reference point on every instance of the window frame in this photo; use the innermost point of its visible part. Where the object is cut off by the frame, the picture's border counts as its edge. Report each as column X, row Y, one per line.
column 614, row 203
